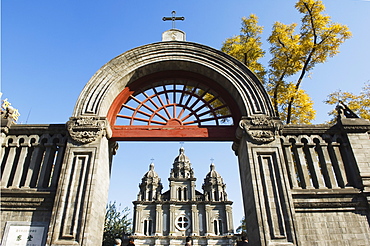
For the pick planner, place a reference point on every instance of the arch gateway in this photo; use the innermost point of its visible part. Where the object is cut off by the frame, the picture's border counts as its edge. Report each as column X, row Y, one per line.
column 301, row 184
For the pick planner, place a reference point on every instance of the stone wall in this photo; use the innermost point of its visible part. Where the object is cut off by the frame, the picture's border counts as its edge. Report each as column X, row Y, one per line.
column 318, row 173
column 339, row 228
column 327, row 166
column 31, row 157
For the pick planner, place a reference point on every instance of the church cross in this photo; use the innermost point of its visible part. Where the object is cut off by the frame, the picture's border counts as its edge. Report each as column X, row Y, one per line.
column 173, row 19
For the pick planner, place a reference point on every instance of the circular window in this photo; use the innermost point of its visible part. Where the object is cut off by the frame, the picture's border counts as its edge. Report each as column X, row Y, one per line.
column 182, row 222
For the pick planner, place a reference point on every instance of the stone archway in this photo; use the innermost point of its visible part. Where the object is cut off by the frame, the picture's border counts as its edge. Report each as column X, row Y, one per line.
column 78, row 212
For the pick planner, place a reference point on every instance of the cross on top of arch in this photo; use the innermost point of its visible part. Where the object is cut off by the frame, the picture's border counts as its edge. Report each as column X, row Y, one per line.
column 173, row 18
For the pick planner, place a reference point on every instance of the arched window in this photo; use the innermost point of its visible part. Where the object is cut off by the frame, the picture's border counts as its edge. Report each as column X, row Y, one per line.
column 185, row 194
column 217, row 226
column 179, row 194
column 148, row 227
column 150, row 195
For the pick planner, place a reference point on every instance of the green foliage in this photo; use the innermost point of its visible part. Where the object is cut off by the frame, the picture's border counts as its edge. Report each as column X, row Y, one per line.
column 242, row 229
column 116, row 223
column 293, row 56
column 359, row 104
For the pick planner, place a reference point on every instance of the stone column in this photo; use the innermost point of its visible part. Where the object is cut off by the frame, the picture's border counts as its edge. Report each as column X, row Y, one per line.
column 9, row 164
column 58, row 164
column 193, row 196
column 340, row 170
column 229, row 219
column 268, row 204
column 316, row 173
column 159, row 220
column 173, row 193
column 138, row 218
column 302, row 167
column 330, row 179
column 33, row 165
column 46, row 165
column 172, row 219
column 80, row 202
column 290, row 162
column 195, row 219
column 20, row 164
column 208, row 224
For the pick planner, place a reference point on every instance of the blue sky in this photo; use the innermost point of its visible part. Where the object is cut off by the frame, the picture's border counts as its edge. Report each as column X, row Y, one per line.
column 50, row 49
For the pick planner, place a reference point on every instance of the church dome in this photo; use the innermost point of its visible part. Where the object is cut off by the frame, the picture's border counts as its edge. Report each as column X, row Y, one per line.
column 150, row 186
column 150, row 177
column 214, row 186
column 151, row 173
column 213, row 173
column 181, row 157
column 182, row 166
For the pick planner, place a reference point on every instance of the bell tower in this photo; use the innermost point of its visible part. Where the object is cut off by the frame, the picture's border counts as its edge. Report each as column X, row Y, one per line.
column 182, row 180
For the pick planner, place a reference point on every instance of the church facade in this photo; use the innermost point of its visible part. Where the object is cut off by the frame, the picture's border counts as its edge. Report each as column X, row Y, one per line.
column 167, row 218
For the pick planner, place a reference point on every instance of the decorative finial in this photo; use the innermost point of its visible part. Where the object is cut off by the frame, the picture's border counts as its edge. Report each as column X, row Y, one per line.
column 173, row 19
column 182, row 150
column 151, row 166
column 181, row 144
column 212, row 159
column 8, row 111
column 152, row 159
column 344, row 110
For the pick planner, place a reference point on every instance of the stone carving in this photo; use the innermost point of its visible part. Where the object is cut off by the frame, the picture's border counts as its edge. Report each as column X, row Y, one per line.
column 87, row 129
column 261, row 129
column 9, row 115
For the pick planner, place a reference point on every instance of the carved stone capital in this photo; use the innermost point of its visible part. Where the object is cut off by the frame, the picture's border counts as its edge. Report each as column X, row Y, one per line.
column 261, row 129
column 87, row 129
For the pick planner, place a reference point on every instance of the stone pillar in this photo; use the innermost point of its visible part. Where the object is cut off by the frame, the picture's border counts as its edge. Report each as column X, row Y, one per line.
column 229, row 219
column 20, row 164
column 268, row 204
column 173, row 193
column 58, row 164
column 193, row 196
column 195, row 219
column 290, row 164
column 46, row 165
column 80, row 201
column 302, row 167
column 208, row 224
column 159, row 220
column 315, row 167
column 138, row 219
column 172, row 219
column 9, row 164
column 329, row 171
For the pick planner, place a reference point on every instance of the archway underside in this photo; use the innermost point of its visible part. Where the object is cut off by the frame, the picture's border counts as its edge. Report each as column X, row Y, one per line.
column 174, row 106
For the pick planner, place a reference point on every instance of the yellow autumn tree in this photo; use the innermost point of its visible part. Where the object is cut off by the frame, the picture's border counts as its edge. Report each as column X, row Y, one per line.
column 246, row 47
column 294, row 54
column 319, row 39
column 359, row 104
column 284, row 63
